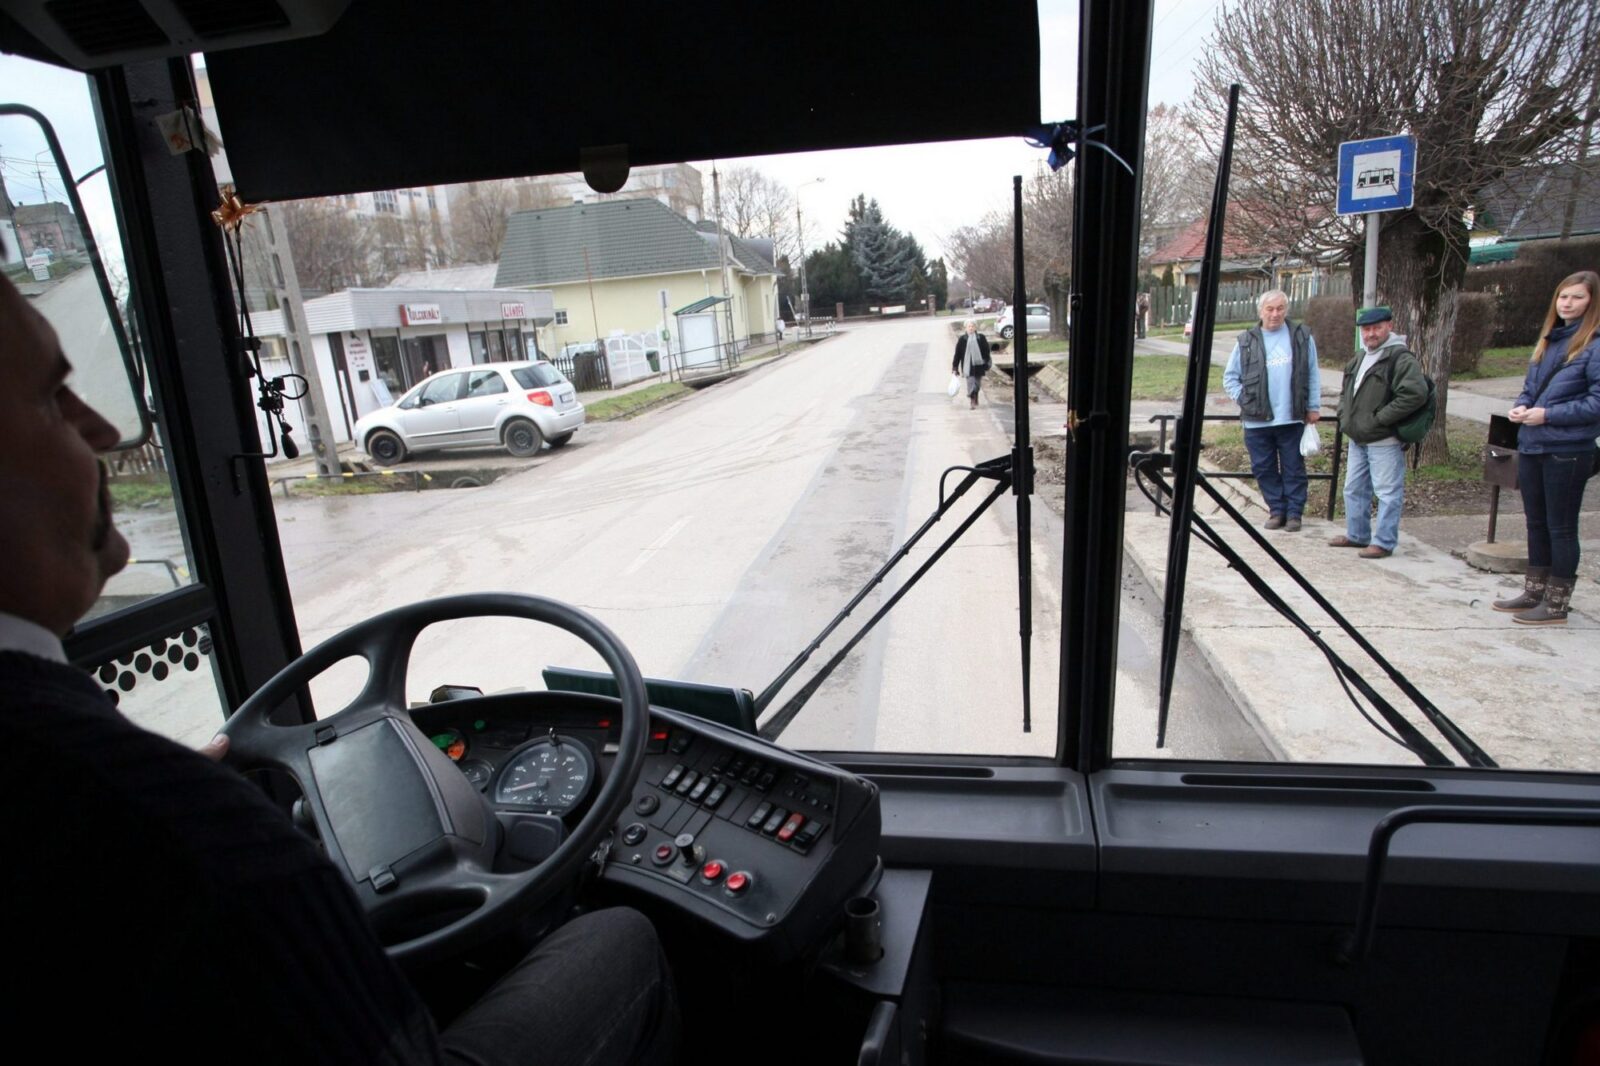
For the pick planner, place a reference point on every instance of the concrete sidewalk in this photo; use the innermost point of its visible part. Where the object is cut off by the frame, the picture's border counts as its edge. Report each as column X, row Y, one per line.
column 1529, row 696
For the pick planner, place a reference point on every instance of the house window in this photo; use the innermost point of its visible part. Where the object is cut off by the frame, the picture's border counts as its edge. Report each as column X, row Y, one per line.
column 561, row 317
column 386, row 203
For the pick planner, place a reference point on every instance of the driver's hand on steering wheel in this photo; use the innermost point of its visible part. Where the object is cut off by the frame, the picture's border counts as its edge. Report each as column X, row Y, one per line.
column 215, row 749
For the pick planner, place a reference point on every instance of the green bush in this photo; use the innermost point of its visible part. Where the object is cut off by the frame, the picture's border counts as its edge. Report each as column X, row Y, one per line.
column 1332, row 321
column 1524, row 286
column 1475, row 325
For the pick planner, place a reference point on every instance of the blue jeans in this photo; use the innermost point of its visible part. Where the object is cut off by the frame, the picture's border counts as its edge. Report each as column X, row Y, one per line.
column 1374, row 469
column 1552, row 494
column 1279, row 467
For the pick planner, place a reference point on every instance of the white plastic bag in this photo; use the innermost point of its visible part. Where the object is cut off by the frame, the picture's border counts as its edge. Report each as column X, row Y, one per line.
column 1310, row 441
column 955, row 385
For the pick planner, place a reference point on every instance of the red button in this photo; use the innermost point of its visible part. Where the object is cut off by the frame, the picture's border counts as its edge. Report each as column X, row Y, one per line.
column 738, row 882
column 791, row 827
column 712, row 871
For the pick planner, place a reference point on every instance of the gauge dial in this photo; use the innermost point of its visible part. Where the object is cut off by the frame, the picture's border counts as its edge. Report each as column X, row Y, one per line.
column 551, row 774
column 477, row 771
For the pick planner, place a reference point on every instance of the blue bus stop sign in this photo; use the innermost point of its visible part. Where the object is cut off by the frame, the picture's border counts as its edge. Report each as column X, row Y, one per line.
column 1377, row 174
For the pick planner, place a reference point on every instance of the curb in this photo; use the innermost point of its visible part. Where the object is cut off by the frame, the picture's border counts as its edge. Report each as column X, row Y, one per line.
column 1202, row 643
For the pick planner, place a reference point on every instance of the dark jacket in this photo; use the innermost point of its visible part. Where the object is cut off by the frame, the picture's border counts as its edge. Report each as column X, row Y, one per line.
column 1393, row 390
column 1571, row 396
column 961, row 346
column 1255, row 404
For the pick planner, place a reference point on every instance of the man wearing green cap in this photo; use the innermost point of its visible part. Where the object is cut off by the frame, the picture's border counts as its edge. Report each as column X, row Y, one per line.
column 1383, row 386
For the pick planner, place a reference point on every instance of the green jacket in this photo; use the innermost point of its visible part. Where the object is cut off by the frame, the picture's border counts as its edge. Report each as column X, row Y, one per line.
column 1392, row 391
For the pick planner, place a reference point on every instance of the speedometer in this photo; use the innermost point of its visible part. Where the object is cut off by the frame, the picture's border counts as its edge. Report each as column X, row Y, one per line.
column 551, row 774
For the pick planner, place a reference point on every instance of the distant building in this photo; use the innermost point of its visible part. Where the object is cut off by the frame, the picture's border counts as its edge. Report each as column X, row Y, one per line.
column 1531, row 203
column 624, row 266
column 678, row 186
column 52, row 226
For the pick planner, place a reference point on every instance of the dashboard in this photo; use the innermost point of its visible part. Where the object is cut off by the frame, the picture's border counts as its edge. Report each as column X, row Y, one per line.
column 761, row 842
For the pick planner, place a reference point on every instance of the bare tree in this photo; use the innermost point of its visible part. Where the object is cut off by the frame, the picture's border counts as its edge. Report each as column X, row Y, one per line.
column 981, row 253
column 755, row 205
column 478, row 220
column 1484, row 85
column 331, row 247
column 1177, row 173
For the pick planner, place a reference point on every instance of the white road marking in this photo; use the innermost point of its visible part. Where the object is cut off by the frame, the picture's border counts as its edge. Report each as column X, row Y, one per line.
column 656, row 545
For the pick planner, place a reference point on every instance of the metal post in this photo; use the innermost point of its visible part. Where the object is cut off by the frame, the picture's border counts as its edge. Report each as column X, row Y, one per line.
column 1338, row 453
column 1369, row 277
column 1494, row 510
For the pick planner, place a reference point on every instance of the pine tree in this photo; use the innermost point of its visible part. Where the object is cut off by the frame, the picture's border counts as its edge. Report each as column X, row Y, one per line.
column 884, row 258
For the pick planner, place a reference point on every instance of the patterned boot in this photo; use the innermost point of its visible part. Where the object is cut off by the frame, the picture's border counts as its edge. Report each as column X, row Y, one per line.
column 1532, row 591
column 1552, row 611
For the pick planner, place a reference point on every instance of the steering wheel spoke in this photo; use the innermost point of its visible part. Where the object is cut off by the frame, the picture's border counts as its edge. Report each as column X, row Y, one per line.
column 417, row 842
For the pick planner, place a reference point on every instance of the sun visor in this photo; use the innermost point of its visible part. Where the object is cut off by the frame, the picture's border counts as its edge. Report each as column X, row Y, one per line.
column 408, row 93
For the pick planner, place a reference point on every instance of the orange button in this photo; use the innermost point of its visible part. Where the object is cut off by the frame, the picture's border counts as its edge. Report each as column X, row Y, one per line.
column 712, row 871
column 738, row 882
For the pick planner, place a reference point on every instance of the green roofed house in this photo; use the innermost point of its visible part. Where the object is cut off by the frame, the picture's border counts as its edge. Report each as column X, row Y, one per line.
column 624, row 267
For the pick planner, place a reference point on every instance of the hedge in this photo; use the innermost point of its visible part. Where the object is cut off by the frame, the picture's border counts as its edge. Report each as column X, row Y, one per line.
column 1524, row 286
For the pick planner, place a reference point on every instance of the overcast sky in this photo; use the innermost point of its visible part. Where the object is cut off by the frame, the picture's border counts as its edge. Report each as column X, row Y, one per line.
column 931, row 189
column 927, row 189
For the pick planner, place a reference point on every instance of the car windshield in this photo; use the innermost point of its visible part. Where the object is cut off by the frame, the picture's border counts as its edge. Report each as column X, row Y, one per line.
column 536, row 376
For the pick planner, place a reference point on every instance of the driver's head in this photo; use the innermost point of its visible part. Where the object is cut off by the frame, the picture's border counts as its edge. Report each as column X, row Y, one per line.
column 57, row 543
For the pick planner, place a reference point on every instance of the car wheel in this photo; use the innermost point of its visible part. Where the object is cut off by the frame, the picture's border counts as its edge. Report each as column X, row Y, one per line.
column 523, row 439
column 385, row 448
column 559, row 439
column 1007, row 332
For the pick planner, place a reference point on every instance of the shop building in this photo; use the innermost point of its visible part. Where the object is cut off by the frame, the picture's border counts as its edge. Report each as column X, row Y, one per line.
column 371, row 345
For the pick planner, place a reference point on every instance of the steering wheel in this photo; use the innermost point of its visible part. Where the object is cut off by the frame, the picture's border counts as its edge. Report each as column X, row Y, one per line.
column 412, row 835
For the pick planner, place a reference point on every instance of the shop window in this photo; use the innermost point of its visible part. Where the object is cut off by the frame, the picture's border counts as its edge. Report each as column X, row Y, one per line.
column 514, row 346
column 480, row 347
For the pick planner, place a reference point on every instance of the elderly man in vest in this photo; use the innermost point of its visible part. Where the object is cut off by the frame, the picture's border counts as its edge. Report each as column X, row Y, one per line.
column 1272, row 376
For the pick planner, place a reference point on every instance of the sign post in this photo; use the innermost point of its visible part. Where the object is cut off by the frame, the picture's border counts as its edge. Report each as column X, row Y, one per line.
column 1375, row 175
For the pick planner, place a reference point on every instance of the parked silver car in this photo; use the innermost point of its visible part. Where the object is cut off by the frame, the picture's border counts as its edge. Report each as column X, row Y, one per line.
column 1038, row 321
column 518, row 405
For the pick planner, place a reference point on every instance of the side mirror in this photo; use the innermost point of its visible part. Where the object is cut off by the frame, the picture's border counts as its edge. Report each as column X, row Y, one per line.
column 48, row 251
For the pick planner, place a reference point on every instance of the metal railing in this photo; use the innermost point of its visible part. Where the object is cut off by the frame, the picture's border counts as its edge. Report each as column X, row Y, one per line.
column 1332, row 477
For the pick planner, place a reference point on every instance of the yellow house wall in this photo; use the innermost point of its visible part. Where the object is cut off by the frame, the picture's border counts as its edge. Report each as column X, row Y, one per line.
column 634, row 304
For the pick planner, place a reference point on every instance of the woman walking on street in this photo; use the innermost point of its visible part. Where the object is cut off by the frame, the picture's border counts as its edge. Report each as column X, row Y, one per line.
column 1559, row 415
column 972, row 359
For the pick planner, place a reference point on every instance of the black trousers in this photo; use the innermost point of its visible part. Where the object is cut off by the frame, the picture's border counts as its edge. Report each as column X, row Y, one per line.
column 1552, row 486
column 597, row 990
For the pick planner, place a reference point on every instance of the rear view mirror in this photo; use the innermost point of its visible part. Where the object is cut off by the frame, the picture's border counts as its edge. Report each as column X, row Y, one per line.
column 49, row 252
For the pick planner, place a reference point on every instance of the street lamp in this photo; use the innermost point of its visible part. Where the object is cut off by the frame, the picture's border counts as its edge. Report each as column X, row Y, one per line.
column 800, row 235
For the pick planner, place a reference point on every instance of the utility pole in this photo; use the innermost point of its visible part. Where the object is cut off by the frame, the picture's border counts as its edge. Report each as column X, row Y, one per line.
column 722, row 256
column 800, row 235
column 302, row 357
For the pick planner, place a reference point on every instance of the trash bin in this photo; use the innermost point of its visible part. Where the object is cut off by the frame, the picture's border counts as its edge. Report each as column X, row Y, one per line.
column 653, row 357
column 1500, row 453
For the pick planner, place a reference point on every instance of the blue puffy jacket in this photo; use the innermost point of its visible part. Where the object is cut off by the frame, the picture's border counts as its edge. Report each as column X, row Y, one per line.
column 1571, row 398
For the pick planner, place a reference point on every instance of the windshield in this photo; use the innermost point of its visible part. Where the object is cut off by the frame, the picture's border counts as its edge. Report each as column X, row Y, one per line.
column 775, row 407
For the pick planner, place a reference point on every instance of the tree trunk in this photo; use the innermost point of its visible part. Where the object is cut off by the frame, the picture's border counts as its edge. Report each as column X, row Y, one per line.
column 1420, row 272
column 1058, row 293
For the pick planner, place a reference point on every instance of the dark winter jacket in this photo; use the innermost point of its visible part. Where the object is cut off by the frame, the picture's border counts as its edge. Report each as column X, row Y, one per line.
column 961, row 347
column 1255, row 402
column 1392, row 391
column 1570, row 396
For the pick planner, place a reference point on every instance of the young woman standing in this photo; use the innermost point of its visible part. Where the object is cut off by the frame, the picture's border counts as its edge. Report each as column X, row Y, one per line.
column 1559, row 415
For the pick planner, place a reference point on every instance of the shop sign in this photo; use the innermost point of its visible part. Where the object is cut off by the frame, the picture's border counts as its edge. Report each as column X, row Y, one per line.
column 516, row 310
column 420, row 314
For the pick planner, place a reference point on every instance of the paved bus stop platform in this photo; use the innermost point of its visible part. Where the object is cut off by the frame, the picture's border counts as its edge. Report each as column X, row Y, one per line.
column 1528, row 695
